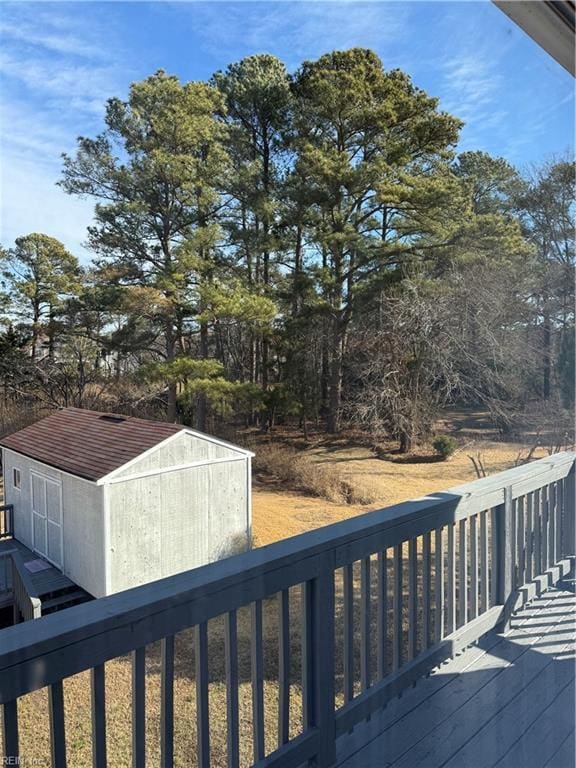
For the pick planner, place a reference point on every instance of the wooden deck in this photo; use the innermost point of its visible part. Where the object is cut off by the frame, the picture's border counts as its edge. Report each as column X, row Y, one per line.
column 508, row 701
column 45, row 582
column 385, row 589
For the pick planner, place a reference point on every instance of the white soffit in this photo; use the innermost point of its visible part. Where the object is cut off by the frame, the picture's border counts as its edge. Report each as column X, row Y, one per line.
column 550, row 23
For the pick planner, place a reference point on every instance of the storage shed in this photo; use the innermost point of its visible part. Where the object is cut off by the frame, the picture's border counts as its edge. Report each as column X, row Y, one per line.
column 115, row 501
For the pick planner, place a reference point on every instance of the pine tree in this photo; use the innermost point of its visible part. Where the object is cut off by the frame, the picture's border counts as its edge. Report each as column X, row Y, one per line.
column 155, row 172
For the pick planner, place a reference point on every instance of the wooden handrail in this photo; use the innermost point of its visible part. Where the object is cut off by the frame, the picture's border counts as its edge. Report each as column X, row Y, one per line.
column 6, row 521
column 526, row 512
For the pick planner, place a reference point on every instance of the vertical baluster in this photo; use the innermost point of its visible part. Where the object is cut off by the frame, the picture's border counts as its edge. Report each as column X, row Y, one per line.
column 397, row 608
column 537, row 532
column 98, row 708
column 382, row 617
column 257, row 674
column 474, row 566
column 484, row 585
column 348, row 589
column 451, row 584
column 231, row 663
column 506, row 556
column 439, row 585
column 202, row 704
column 552, row 524
column 412, row 598
column 462, row 575
column 167, row 702
column 545, row 514
column 529, row 535
column 365, row 623
column 426, row 575
column 57, row 732
column 283, row 667
column 307, row 654
column 521, row 512
column 10, row 732
column 569, row 513
column 138, row 708
column 514, row 543
column 559, row 508
column 494, row 555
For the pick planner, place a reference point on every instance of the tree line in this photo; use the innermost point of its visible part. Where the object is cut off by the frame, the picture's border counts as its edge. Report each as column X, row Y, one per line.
column 310, row 247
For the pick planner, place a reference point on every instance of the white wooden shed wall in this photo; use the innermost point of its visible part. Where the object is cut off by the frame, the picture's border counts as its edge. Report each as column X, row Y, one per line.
column 196, row 493
column 184, row 503
column 83, row 553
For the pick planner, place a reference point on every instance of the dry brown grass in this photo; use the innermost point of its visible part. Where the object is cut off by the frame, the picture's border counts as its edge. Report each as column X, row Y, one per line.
column 279, row 513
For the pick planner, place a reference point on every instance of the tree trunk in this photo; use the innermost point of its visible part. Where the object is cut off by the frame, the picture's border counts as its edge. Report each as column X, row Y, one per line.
column 324, row 374
column 51, row 332
column 172, row 392
column 406, row 441
column 335, row 380
column 35, row 330
column 266, row 251
column 297, row 284
column 547, row 356
column 202, row 406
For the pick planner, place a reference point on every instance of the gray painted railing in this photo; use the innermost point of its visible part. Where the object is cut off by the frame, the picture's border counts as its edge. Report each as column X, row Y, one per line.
column 18, row 583
column 435, row 574
column 6, row 521
column 26, row 598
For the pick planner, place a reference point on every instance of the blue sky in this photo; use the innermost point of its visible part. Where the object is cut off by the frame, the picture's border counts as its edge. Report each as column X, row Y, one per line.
column 60, row 61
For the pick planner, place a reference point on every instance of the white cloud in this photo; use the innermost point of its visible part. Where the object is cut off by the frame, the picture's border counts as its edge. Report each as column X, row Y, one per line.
column 83, row 87
column 306, row 29
column 470, row 82
column 56, row 76
column 55, row 40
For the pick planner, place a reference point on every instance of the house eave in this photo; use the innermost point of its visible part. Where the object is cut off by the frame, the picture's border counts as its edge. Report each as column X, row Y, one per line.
column 550, row 23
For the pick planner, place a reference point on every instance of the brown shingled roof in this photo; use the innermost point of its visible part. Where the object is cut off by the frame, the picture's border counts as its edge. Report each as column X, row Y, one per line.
column 88, row 443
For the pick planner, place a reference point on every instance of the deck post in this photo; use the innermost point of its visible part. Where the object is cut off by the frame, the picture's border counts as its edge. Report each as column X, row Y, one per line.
column 568, row 515
column 321, row 709
column 505, row 566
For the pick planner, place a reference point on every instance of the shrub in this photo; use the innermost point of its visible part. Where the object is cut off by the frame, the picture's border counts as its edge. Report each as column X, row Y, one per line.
column 303, row 473
column 362, row 493
column 444, row 445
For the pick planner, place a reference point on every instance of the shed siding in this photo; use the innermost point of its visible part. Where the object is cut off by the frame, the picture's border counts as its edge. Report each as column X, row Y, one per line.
column 182, row 449
column 165, row 524
column 82, row 520
column 84, row 550
column 22, row 499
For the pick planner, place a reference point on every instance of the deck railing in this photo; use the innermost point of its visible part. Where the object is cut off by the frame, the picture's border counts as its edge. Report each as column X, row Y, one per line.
column 18, row 583
column 389, row 594
column 6, row 521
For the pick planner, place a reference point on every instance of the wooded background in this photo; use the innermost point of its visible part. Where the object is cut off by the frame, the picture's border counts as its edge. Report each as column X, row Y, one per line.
column 307, row 248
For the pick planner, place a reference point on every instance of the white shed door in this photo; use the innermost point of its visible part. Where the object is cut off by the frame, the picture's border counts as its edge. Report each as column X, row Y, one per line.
column 47, row 518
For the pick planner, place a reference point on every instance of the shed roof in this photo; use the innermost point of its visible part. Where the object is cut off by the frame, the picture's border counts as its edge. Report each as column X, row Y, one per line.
column 86, row 443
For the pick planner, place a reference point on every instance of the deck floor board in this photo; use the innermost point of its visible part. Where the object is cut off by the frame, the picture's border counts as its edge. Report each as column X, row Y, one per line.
column 564, row 755
column 45, row 582
column 485, row 707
